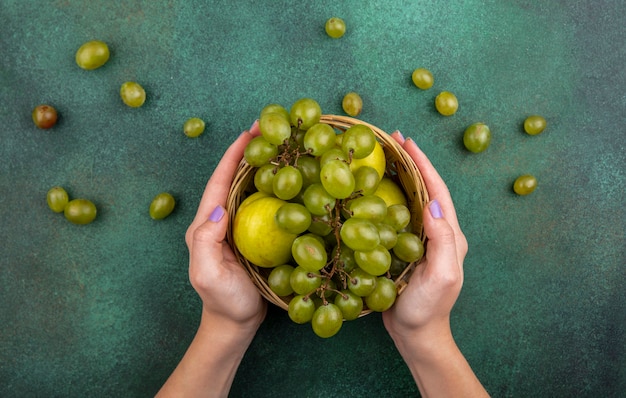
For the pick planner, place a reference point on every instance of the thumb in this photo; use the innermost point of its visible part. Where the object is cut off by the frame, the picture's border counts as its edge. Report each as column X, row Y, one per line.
column 441, row 252
column 208, row 237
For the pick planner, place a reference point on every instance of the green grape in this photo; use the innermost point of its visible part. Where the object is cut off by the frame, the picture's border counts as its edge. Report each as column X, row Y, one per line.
column 358, row 140
column 366, row 180
column 333, row 154
column 293, row 218
column 346, row 257
column 422, row 78
column 303, row 281
column 304, row 113
column 162, row 206
column 133, row 94
column 446, row 103
column 477, row 137
column 92, row 55
column 327, row 320
column 409, row 247
column 309, row 253
column 525, row 184
column 310, row 169
column 350, row 304
column 388, row 235
column 301, row 309
column 275, row 128
column 317, row 200
column 383, row 296
column 397, row 265
column 337, row 179
column 297, row 138
column 80, row 211
column 352, row 104
column 320, row 225
column 369, row 207
column 57, row 199
column 534, row 124
column 359, row 234
column 335, row 27
column 193, row 127
column 264, row 177
column 259, row 152
column 398, row 216
column 319, row 138
column 278, row 280
column 275, row 108
column 287, row 183
column 375, row 262
column 361, row 283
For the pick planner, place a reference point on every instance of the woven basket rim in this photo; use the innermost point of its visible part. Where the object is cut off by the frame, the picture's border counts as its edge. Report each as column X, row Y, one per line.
column 400, row 167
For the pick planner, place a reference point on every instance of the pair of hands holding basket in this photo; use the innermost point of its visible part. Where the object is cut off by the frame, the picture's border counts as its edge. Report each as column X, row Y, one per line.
column 233, row 309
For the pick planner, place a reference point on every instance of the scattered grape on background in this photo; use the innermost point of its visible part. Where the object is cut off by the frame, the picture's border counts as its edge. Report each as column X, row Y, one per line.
column 525, row 184
column 335, row 27
column 422, row 78
column 193, row 127
column 133, row 94
column 446, row 103
column 534, row 124
column 44, row 116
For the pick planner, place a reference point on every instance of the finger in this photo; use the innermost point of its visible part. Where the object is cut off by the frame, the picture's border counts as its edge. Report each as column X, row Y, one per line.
column 207, row 241
column 217, row 188
column 442, row 254
column 434, row 183
column 397, row 135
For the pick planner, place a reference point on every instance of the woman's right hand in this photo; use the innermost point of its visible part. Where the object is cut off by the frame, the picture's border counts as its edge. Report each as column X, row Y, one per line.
column 425, row 305
column 419, row 321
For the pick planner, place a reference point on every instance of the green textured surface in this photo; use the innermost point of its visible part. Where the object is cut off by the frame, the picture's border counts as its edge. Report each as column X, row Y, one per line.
column 107, row 310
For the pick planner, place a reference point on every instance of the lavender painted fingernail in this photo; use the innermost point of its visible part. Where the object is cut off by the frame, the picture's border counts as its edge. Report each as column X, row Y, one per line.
column 217, row 214
column 253, row 125
column 399, row 135
column 435, row 209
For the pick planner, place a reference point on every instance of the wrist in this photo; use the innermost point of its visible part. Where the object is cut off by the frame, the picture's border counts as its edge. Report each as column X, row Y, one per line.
column 227, row 332
column 424, row 342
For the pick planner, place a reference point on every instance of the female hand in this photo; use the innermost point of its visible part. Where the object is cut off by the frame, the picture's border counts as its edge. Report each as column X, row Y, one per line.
column 419, row 321
column 232, row 307
column 426, row 302
column 226, row 289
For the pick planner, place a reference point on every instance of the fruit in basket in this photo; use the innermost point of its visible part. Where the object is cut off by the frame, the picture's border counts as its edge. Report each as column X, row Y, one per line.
column 257, row 235
column 327, row 217
column 376, row 160
column 390, row 192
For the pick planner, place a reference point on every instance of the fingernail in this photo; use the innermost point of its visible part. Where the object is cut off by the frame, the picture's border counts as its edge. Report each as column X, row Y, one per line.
column 217, row 214
column 399, row 134
column 435, row 209
column 253, row 125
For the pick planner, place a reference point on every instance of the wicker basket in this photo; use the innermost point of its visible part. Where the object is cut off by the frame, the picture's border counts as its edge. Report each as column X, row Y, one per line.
column 400, row 167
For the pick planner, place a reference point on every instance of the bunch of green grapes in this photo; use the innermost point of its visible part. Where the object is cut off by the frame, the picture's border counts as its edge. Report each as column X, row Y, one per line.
column 349, row 243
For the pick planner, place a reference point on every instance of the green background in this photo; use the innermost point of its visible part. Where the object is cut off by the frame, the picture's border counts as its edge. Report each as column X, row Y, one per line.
column 107, row 310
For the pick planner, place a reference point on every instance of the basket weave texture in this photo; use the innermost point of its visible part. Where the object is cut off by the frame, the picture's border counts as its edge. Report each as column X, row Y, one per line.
column 400, row 168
